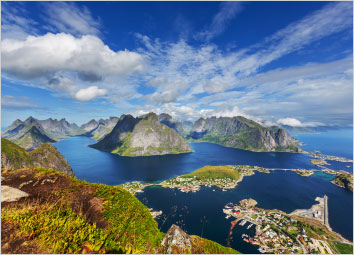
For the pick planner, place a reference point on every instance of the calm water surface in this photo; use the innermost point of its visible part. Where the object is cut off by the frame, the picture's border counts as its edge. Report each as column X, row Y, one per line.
column 282, row 190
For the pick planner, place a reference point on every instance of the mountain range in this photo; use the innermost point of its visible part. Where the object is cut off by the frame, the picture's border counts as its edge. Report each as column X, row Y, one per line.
column 153, row 134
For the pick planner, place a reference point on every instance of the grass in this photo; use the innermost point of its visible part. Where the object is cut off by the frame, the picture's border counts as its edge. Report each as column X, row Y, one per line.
column 214, row 172
column 55, row 224
column 17, row 155
column 343, row 248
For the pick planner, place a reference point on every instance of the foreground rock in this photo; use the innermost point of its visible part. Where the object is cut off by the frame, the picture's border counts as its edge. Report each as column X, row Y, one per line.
column 46, row 155
column 176, row 241
column 142, row 136
column 9, row 194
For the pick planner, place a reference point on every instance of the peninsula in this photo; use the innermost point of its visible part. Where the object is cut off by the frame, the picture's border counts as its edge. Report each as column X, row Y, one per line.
column 279, row 232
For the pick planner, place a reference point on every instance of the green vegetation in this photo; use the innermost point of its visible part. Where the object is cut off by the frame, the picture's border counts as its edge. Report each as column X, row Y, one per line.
column 343, row 248
column 80, row 217
column 202, row 245
column 344, row 180
column 214, row 172
column 15, row 155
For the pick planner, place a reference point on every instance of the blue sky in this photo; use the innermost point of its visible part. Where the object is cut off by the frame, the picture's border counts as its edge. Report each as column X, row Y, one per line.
column 274, row 62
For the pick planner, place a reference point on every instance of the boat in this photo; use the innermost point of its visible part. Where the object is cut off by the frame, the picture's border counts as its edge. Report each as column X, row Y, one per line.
column 249, row 226
column 243, row 222
column 227, row 216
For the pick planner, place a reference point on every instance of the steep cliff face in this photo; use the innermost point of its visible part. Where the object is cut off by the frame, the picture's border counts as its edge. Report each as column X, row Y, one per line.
column 239, row 132
column 142, row 136
column 46, row 155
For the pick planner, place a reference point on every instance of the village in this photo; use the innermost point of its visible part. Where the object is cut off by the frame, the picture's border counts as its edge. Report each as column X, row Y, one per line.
column 276, row 232
column 193, row 183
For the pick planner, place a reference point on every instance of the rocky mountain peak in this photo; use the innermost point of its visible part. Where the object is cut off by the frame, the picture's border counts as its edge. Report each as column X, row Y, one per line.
column 176, row 241
column 151, row 116
column 30, row 120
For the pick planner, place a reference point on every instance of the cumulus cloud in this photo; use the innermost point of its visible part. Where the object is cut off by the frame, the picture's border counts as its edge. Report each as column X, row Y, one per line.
column 18, row 103
column 61, row 84
column 41, row 55
column 297, row 123
column 89, row 93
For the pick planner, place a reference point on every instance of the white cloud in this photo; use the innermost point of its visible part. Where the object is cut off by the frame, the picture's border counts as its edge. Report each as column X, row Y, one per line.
column 18, row 103
column 228, row 11
column 88, row 56
column 14, row 21
column 61, row 84
column 89, row 93
column 71, row 18
column 297, row 123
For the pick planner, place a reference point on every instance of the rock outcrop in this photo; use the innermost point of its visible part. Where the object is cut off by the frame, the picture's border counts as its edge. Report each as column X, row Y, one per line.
column 176, row 241
column 239, row 132
column 142, row 136
column 46, row 155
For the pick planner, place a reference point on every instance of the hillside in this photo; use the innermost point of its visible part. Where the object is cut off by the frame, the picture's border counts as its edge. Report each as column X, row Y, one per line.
column 46, row 155
column 142, row 136
column 242, row 133
column 99, row 218
column 214, row 172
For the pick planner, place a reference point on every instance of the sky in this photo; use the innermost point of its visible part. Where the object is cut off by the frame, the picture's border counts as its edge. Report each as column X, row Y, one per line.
column 278, row 63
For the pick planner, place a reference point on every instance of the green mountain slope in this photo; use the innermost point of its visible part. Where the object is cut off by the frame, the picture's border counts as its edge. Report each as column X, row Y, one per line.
column 240, row 132
column 46, row 155
column 142, row 136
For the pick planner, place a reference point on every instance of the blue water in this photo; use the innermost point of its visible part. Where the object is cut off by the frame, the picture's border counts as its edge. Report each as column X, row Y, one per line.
column 335, row 142
column 97, row 166
column 282, row 190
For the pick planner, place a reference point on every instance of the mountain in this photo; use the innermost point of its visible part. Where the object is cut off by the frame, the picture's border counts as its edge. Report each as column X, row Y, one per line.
column 46, row 155
column 240, row 132
column 181, row 128
column 98, row 130
column 59, row 129
column 142, row 136
column 89, row 126
column 30, row 133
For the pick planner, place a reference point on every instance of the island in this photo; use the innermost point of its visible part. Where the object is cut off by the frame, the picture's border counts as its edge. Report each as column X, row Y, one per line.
column 224, row 177
column 304, row 231
column 320, row 160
